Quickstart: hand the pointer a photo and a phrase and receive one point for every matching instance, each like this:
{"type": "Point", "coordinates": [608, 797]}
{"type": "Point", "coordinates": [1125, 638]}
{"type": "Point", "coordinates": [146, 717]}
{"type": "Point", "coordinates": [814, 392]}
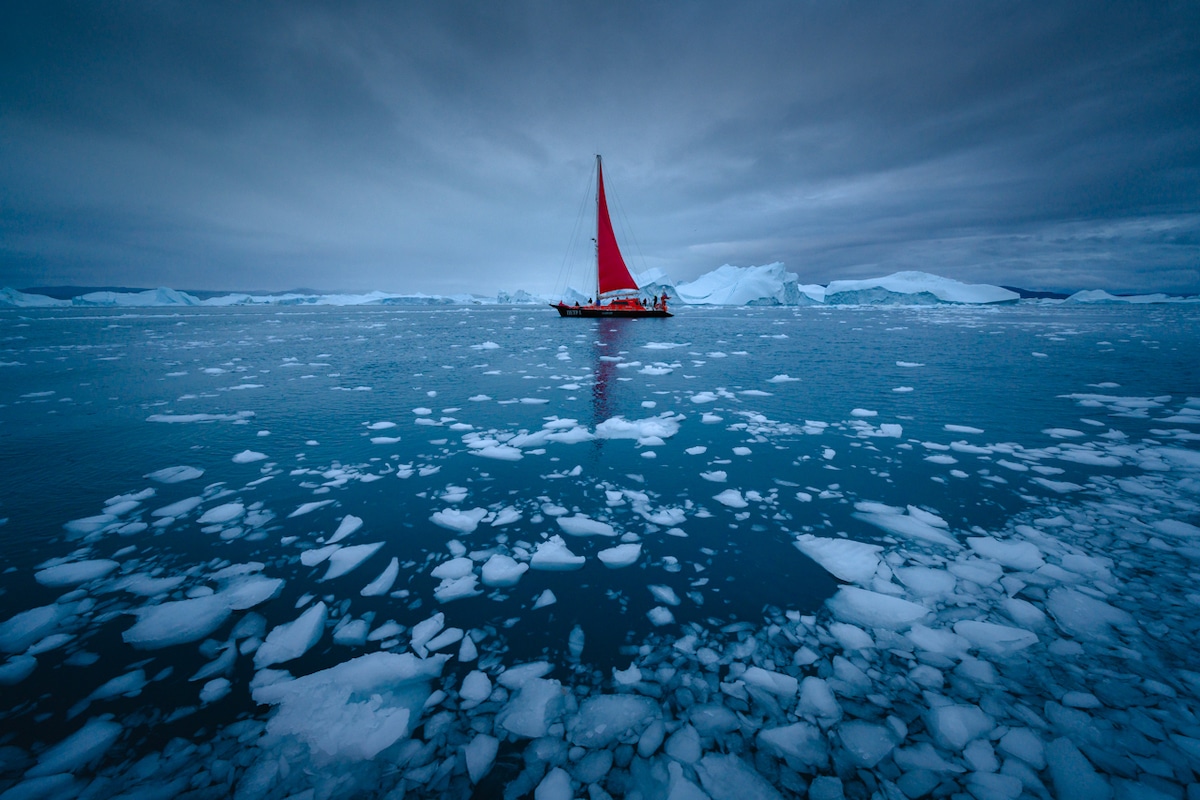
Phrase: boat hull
{"type": "Point", "coordinates": [608, 311]}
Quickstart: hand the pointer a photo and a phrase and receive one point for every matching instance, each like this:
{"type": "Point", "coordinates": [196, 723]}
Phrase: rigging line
{"type": "Point", "coordinates": [564, 275]}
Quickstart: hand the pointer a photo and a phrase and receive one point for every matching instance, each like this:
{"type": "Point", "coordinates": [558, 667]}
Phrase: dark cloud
{"type": "Point", "coordinates": [444, 147]}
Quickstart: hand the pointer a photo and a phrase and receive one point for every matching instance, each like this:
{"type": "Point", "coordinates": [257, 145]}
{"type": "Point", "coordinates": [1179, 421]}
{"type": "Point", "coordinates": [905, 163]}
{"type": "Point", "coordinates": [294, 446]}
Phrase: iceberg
{"type": "Point", "coordinates": [1101, 296]}
{"type": "Point", "coordinates": [768, 285]}
{"type": "Point", "coordinates": [914, 288]}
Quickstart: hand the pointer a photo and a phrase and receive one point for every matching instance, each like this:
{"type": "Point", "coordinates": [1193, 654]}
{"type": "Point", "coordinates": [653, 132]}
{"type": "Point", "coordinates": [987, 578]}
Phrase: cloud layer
{"type": "Point", "coordinates": [447, 148]}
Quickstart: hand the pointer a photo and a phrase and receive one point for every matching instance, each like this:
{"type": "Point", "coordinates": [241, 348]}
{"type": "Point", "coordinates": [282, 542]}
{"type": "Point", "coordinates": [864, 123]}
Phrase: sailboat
{"type": "Point", "coordinates": [617, 293]}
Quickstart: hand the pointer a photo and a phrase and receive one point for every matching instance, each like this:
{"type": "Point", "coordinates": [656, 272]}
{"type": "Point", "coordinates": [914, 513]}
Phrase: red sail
{"type": "Point", "coordinates": [614, 275]}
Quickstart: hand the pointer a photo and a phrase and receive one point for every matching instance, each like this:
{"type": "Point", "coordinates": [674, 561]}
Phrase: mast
{"type": "Point", "coordinates": [611, 273]}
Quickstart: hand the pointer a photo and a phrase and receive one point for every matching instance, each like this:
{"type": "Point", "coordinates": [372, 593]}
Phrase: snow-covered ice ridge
{"type": "Point", "coordinates": [1051, 653]}
{"type": "Point", "coordinates": [768, 285]}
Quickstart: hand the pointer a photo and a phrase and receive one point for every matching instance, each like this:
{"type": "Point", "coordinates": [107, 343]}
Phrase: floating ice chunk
{"type": "Point", "coordinates": [28, 626]}
{"type": "Point", "coordinates": [606, 719]}
{"type": "Point", "coordinates": [214, 690]}
{"type": "Point", "coordinates": [874, 610]}
{"type": "Point", "coordinates": [1177, 528]}
{"type": "Point", "coordinates": [318, 555]}
{"type": "Point", "coordinates": [177, 509]}
{"type": "Point", "coordinates": [445, 639]}
{"type": "Point", "coordinates": [349, 525]}
{"type": "Point", "coordinates": [800, 742]}
{"type": "Point", "coordinates": [727, 777]}
{"type": "Point", "coordinates": [1023, 556]}
{"type": "Point", "coordinates": [863, 412]}
{"type": "Point", "coordinates": [783, 378]}
{"type": "Point", "coordinates": [79, 749]}
{"type": "Point", "coordinates": [488, 345]}
{"type": "Point", "coordinates": [219, 515]}
{"type": "Point", "coordinates": [455, 520]}
{"type": "Point", "coordinates": [660, 615]}
{"type": "Point", "coordinates": [623, 555]}
{"type": "Point", "coordinates": [926, 581]}
{"type": "Point", "coordinates": [457, 588]}
{"type": "Point", "coordinates": [454, 568]}
{"type": "Point", "coordinates": [732, 498]}
{"type": "Point", "coordinates": [506, 516]}
{"type": "Point", "coordinates": [248, 456]}
{"type": "Point", "coordinates": [996, 640]}
{"type": "Point", "coordinates": [424, 631]}
{"type": "Point", "coordinates": [175, 474]}
{"type": "Point", "coordinates": [354, 710]}
{"type": "Point", "coordinates": [75, 572]}
{"type": "Point", "coordinates": [663, 426]}
{"type": "Point", "coordinates": [502, 570]}
{"type": "Point", "coordinates": [893, 521]}
{"type": "Point", "coordinates": [817, 700]}
{"type": "Point", "coordinates": [553, 555]}
{"type": "Point", "coordinates": [347, 559]}
{"type": "Point", "coordinates": [627, 677]}
{"type": "Point", "coordinates": [716, 476]}
{"type": "Point", "coordinates": [17, 669]}
{"type": "Point", "coordinates": [292, 639]}
{"type": "Point", "coordinates": [961, 429]}
{"type": "Point", "coordinates": [480, 754]}
{"type": "Point", "coordinates": [664, 594]}
{"type": "Point", "coordinates": [1073, 777]}
{"type": "Point", "coordinates": [546, 598]}
{"type": "Point", "coordinates": [476, 687]}
{"type": "Point", "coordinates": [1086, 617]}
{"type": "Point", "coordinates": [851, 637]}
{"type": "Point", "coordinates": [774, 682]}
{"type": "Point", "coordinates": [531, 709]}
{"type": "Point", "coordinates": [499, 452]}
{"type": "Point", "coordinates": [697, 450]}
{"type": "Point", "coordinates": [866, 743]}
{"type": "Point", "coordinates": [954, 726]}
{"type": "Point", "coordinates": [177, 622]}
{"type": "Point", "coordinates": [383, 584]}
{"type": "Point", "coordinates": [581, 525]}
{"type": "Point", "coordinates": [306, 508]}
{"type": "Point", "coordinates": [518, 675]}
{"type": "Point", "coordinates": [845, 559]}
{"type": "Point", "coordinates": [248, 591]}
{"type": "Point", "coordinates": [1025, 745]}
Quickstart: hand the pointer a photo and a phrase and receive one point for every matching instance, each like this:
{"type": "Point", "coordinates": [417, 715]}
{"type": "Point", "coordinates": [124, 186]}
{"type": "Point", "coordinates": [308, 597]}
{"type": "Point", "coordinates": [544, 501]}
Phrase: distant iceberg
{"type": "Point", "coordinates": [914, 288]}
{"type": "Point", "coordinates": [1101, 296]}
{"type": "Point", "coordinates": [769, 285]}
{"type": "Point", "coordinates": [150, 297]}
{"type": "Point", "coordinates": [766, 285]}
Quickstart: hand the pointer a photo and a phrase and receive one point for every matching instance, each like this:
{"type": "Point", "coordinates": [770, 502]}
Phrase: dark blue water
{"type": "Point", "coordinates": [91, 402]}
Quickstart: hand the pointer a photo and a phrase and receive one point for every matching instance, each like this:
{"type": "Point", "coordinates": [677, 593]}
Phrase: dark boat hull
{"type": "Point", "coordinates": [608, 311]}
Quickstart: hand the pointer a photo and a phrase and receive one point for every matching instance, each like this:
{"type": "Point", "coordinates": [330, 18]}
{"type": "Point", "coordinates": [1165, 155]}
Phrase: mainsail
{"type": "Point", "coordinates": [613, 274]}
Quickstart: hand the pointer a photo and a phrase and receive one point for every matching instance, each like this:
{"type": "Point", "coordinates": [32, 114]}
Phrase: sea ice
{"type": "Point", "coordinates": [75, 572]}
{"type": "Point", "coordinates": [580, 525]}
{"type": "Point", "coordinates": [502, 570]}
{"type": "Point", "coordinates": [292, 639]}
{"type": "Point", "coordinates": [554, 556]}
{"type": "Point", "coordinates": [874, 610]}
{"type": "Point", "coordinates": [845, 559]}
{"type": "Point", "coordinates": [177, 622]}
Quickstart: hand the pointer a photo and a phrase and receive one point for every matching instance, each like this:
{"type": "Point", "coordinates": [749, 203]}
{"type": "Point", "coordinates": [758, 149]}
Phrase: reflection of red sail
{"type": "Point", "coordinates": [614, 275]}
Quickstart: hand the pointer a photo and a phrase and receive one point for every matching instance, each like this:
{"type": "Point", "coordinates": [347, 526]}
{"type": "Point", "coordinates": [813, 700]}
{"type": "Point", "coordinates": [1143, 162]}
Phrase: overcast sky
{"type": "Point", "coordinates": [447, 147]}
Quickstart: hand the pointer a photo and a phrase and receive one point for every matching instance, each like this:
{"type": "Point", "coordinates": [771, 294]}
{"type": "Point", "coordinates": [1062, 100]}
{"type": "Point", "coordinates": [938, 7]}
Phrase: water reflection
{"type": "Point", "coordinates": [607, 346]}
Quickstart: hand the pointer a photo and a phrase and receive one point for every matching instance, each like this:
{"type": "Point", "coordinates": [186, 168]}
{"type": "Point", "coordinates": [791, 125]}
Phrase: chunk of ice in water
{"type": "Point", "coordinates": [727, 777]}
{"type": "Point", "coordinates": [177, 622]}
{"type": "Point", "coordinates": [845, 559]}
{"type": "Point", "coordinates": [546, 598]}
{"type": "Point", "coordinates": [605, 719]}
{"type": "Point", "coordinates": [623, 555]}
{"type": "Point", "coordinates": [175, 474]}
{"type": "Point", "coordinates": [502, 570]}
{"type": "Point", "coordinates": [996, 640]}
{"type": "Point", "coordinates": [874, 610]}
{"type": "Point", "coordinates": [292, 639]}
{"type": "Point", "coordinates": [348, 559]}
{"type": "Point", "coordinates": [866, 743]}
{"type": "Point", "coordinates": [581, 525]}
{"type": "Point", "coordinates": [79, 749]}
{"type": "Point", "coordinates": [553, 555]}
{"type": "Point", "coordinates": [349, 525]}
{"type": "Point", "coordinates": [75, 572]}
{"type": "Point", "coordinates": [954, 726]}
{"type": "Point", "coordinates": [480, 754]}
{"type": "Point", "coordinates": [1023, 556]}
{"type": "Point", "coordinates": [461, 521]}
{"type": "Point", "coordinates": [660, 615]}
{"type": "Point", "coordinates": [248, 456]}
{"type": "Point", "coordinates": [383, 584]}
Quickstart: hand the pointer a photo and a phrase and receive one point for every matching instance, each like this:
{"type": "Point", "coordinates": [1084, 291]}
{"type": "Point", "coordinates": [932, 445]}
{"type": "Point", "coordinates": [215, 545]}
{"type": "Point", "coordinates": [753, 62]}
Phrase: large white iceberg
{"type": "Point", "coordinates": [914, 288]}
{"type": "Point", "coordinates": [769, 285]}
